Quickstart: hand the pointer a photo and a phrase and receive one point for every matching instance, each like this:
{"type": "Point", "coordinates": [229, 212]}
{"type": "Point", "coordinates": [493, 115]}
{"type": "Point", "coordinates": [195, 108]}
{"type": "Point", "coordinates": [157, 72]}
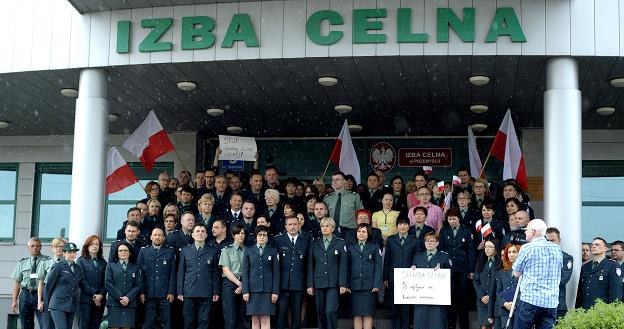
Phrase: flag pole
{"type": "Point", "coordinates": [181, 162]}
{"type": "Point", "coordinates": [325, 171]}
{"type": "Point", "coordinates": [484, 164]}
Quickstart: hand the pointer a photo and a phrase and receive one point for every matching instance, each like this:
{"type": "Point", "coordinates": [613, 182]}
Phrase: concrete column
{"type": "Point", "coordinates": [562, 152]}
{"type": "Point", "coordinates": [89, 161]}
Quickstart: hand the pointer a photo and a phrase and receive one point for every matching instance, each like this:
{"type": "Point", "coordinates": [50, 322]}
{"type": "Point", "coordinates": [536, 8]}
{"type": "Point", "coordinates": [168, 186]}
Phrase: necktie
{"type": "Point", "coordinates": [454, 232]}
{"type": "Point", "coordinates": [594, 263]}
{"type": "Point", "coordinates": [490, 264]}
{"type": "Point", "coordinates": [463, 213]}
{"type": "Point", "coordinates": [260, 250]}
{"type": "Point", "coordinates": [235, 216]}
{"type": "Point", "coordinates": [326, 243]}
{"type": "Point", "coordinates": [479, 201]}
{"type": "Point", "coordinates": [71, 267]}
{"type": "Point", "coordinates": [429, 255]}
{"type": "Point", "coordinates": [293, 241]}
{"type": "Point", "coordinates": [361, 247]}
{"type": "Point", "coordinates": [337, 210]}
{"type": "Point", "coordinates": [94, 262]}
{"type": "Point", "coordinates": [33, 270]}
{"type": "Point", "coordinates": [418, 232]}
{"type": "Point", "coordinates": [271, 211]}
{"type": "Point", "coordinates": [199, 249]}
{"type": "Point", "coordinates": [402, 240]}
{"type": "Point", "coordinates": [123, 264]}
{"type": "Point", "coordinates": [257, 196]}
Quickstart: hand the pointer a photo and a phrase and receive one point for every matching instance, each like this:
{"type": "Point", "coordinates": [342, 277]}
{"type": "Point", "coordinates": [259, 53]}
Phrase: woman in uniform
{"type": "Point", "coordinates": [260, 280]}
{"type": "Point", "coordinates": [485, 283]}
{"type": "Point", "coordinates": [123, 284]}
{"type": "Point", "coordinates": [431, 316]}
{"type": "Point", "coordinates": [505, 280]}
{"type": "Point", "coordinates": [365, 271]}
{"type": "Point", "coordinates": [231, 262]}
{"type": "Point", "coordinates": [91, 307]}
{"type": "Point", "coordinates": [385, 219]}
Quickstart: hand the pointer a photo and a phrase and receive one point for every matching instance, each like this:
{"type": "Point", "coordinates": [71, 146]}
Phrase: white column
{"type": "Point", "coordinates": [89, 160]}
{"type": "Point", "coordinates": [562, 152]}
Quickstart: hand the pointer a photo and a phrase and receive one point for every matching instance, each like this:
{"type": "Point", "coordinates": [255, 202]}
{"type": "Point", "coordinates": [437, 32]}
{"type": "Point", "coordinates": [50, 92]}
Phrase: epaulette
{"type": "Point", "coordinates": [145, 247]}
{"type": "Point", "coordinates": [230, 246]}
{"type": "Point", "coordinates": [339, 239]}
{"type": "Point", "coordinates": [25, 258]}
{"type": "Point", "coordinates": [444, 252]}
{"type": "Point", "coordinates": [45, 257]}
{"type": "Point", "coordinates": [354, 193]}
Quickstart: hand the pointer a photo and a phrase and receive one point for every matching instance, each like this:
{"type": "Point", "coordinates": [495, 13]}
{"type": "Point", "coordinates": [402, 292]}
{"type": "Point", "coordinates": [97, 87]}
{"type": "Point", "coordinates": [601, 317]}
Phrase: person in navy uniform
{"type": "Point", "coordinates": [248, 221]}
{"type": "Point", "coordinates": [553, 235]}
{"type": "Point", "coordinates": [431, 316]}
{"type": "Point", "coordinates": [456, 241]}
{"type": "Point", "coordinates": [220, 240]}
{"type": "Point", "coordinates": [198, 279]}
{"type": "Point", "coordinates": [399, 253]}
{"type": "Point", "coordinates": [184, 236]}
{"type": "Point", "coordinates": [261, 280]}
{"type": "Point", "coordinates": [365, 277]}
{"type": "Point", "coordinates": [25, 285]}
{"type": "Point", "coordinates": [488, 212]}
{"type": "Point", "coordinates": [484, 282]}
{"type": "Point", "coordinates": [504, 281]}
{"type": "Point", "coordinates": [91, 307]}
{"type": "Point", "coordinates": [62, 286]}
{"type": "Point", "coordinates": [157, 263]}
{"type": "Point", "coordinates": [42, 272]}
{"type": "Point", "coordinates": [132, 238]}
{"type": "Point", "coordinates": [293, 253]}
{"type": "Point", "coordinates": [363, 216]}
{"type": "Point", "coordinates": [231, 263]}
{"type": "Point", "coordinates": [419, 230]}
{"type": "Point", "coordinates": [327, 273]}
{"type": "Point", "coordinates": [601, 278]}
{"type": "Point", "coordinates": [617, 254]}
{"type": "Point", "coordinates": [467, 216]}
{"type": "Point", "coordinates": [124, 282]}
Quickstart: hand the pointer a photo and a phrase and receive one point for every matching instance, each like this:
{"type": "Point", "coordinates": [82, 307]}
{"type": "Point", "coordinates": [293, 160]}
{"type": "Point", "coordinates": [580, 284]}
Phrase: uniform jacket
{"type": "Point", "coordinates": [136, 247]}
{"type": "Point", "coordinates": [566, 274]}
{"type": "Point", "coordinates": [94, 277]}
{"type": "Point", "coordinates": [603, 281]}
{"type": "Point", "coordinates": [485, 285]}
{"type": "Point", "coordinates": [178, 240]}
{"type": "Point", "coordinates": [364, 267]}
{"type": "Point", "coordinates": [372, 201]}
{"type": "Point", "coordinates": [440, 258]}
{"type": "Point", "coordinates": [460, 248]}
{"type": "Point", "coordinates": [349, 203]}
{"type": "Point", "coordinates": [261, 274]}
{"type": "Point", "coordinates": [327, 268]}
{"type": "Point", "coordinates": [351, 237]}
{"type": "Point", "coordinates": [292, 261]}
{"type": "Point", "coordinates": [504, 279]}
{"type": "Point", "coordinates": [120, 283]}
{"type": "Point", "coordinates": [159, 271]}
{"type": "Point", "coordinates": [62, 287]}
{"type": "Point", "coordinates": [470, 218]}
{"type": "Point", "coordinates": [198, 274]}
{"type": "Point", "coordinates": [397, 255]}
{"type": "Point", "coordinates": [420, 246]}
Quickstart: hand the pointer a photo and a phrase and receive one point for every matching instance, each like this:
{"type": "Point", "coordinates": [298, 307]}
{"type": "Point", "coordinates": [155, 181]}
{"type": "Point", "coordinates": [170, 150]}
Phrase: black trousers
{"type": "Point", "coordinates": [327, 306]}
{"type": "Point", "coordinates": [197, 312]}
{"type": "Point", "coordinates": [292, 299]}
{"type": "Point", "coordinates": [157, 307]}
{"type": "Point", "coordinates": [459, 303]}
{"type": "Point", "coordinates": [90, 316]}
{"type": "Point", "coordinates": [28, 309]}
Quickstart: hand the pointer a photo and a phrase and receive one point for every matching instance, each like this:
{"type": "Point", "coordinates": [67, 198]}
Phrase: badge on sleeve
{"type": "Point", "coordinates": [618, 271]}
{"type": "Point", "coordinates": [208, 261]}
{"type": "Point", "coordinates": [336, 252]}
{"type": "Point", "coordinates": [345, 248]}
{"type": "Point", "coordinates": [370, 257]}
{"type": "Point", "coordinates": [300, 256]}
{"type": "Point", "coordinates": [569, 265]}
{"type": "Point", "coordinates": [450, 262]}
{"type": "Point", "coordinates": [600, 278]}
{"type": "Point", "coordinates": [463, 239]}
{"type": "Point", "coordinates": [269, 258]}
{"type": "Point", "coordinates": [133, 275]}
{"type": "Point", "coordinates": [164, 262]}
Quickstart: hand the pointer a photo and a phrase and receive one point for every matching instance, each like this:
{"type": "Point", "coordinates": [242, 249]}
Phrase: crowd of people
{"type": "Point", "coordinates": [232, 250]}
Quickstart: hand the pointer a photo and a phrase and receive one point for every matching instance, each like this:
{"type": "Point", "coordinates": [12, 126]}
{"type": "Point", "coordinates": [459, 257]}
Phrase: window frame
{"type": "Point", "coordinates": [11, 167]}
{"type": "Point", "coordinates": [602, 168]}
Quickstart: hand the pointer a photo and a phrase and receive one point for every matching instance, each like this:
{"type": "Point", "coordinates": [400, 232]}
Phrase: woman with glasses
{"type": "Point", "coordinates": [91, 307]}
{"type": "Point", "coordinates": [124, 282]}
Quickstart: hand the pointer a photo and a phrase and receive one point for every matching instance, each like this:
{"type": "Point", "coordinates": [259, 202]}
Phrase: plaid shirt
{"type": "Point", "coordinates": [540, 263]}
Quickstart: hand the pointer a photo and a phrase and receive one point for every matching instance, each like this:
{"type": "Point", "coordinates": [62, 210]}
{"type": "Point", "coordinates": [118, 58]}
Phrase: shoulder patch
{"type": "Point", "coordinates": [44, 257]}
{"type": "Point", "coordinates": [450, 262]}
{"type": "Point", "coordinates": [569, 265]}
{"type": "Point", "coordinates": [618, 271]}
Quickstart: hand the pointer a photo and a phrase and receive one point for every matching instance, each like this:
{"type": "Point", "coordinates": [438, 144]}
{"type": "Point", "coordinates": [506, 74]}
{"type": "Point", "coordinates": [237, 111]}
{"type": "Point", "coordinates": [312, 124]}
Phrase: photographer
{"type": "Point", "coordinates": [517, 225]}
{"type": "Point", "coordinates": [539, 263]}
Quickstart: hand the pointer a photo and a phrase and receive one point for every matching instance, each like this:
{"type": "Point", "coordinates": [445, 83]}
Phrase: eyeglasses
{"type": "Point", "coordinates": [431, 241]}
{"type": "Point", "coordinates": [123, 250]}
{"type": "Point", "coordinates": [262, 235]}
{"type": "Point", "coordinates": [424, 194]}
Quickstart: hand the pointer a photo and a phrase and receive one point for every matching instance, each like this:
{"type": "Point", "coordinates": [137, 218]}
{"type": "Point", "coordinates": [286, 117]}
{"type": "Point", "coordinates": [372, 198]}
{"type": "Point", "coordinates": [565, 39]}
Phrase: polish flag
{"type": "Point", "coordinates": [440, 185]}
{"type": "Point", "coordinates": [448, 199]}
{"type": "Point", "coordinates": [507, 149]}
{"type": "Point", "coordinates": [478, 225]}
{"type": "Point", "coordinates": [149, 141]}
{"type": "Point", "coordinates": [428, 170]}
{"type": "Point", "coordinates": [343, 154]}
{"type": "Point", "coordinates": [473, 155]}
{"type": "Point", "coordinates": [456, 180]}
{"type": "Point", "coordinates": [118, 173]}
{"type": "Point", "coordinates": [486, 230]}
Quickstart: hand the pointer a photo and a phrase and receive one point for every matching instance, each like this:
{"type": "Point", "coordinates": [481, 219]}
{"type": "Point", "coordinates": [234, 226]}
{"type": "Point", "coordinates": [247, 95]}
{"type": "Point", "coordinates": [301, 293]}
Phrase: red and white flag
{"type": "Point", "coordinates": [149, 141]}
{"type": "Point", "coordinates": [486, 230]}
{"type": "Point", "coordinates": [478, 225]}
{"type": "Point", "coordinates": [448, 199]}
{"type": "Point", "coordinates": [428, 170]}
{"type": "Point", "coordinates": [456, 180]}
{"type": "Point", "coordinates": [343, 154]}
{"type": "Point", "coordinates": [118, 173]}
{"type": "Point", "coordinates": [473, 155]}
{"type": "Point", "coordinates": [506, 148]}
{"type": "Point", "coordinates": [440, 186]}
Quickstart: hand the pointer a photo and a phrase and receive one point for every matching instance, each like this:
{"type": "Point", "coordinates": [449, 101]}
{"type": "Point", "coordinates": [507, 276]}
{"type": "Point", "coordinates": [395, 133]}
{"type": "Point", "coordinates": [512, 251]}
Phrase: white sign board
{"type": "Point", "coordinates": [237, 148]}
{"type": "Point", "coordinates": [422, 286]}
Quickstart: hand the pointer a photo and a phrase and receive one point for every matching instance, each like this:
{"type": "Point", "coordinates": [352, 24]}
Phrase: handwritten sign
{"type": "Point", "coordinates": [422, 286]}
{"type": "Point", "coordinates": [237, 148]}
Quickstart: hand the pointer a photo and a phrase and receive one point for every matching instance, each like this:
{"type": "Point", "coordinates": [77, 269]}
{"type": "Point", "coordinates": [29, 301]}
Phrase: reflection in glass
{"type": "Point", "coordinates": [7, 181]}
{"type": "Point", "coordinates": [7, 211]}
{"type": "Point", "coordinates": [55, 186]}
{"type": "Point", "coordinates": [54, 220]}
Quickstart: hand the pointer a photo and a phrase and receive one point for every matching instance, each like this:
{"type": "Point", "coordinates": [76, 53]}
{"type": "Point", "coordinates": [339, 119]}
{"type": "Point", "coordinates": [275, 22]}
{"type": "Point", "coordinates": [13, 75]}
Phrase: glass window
{"type": "Point", "coordinates": [603, 203]}
{"type": "Point", "coordinates": [8, 196]}
{"type": "Point", "coordinates": [53, 194]}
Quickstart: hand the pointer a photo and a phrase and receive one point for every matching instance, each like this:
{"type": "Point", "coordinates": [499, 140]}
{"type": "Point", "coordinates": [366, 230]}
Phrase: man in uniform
{"type": "Point", "coordinates": [221, 194]}
{"type": "Point", "coordinates": [182, 237]}
{"type": "Point", "coordinates": [553, 235]}
{"type": "Point", "coordinates": [585, 253]}
{"type": "Point", "coordinates": [132, 234]}
{"type": "Point", "coordinates": [255, 193]}
{"type": "Point", "coordinates": [42, 272]}
{"type": "Point", "coordinates": [157, 263]}
{"type": "Point", "coordinates": [601, 278]}
{"type": "Point", "coordinates": [220, 240]}
{"type": "Point", "coordinates": [371, 199]}
{"type": "Point", "coordinates": [292, 251]}
{"type": "Point", "coordinates": [618, 256]}
{"type": "Point", "coordinates": [134, 214]}
{"type": "Point", "coordinates": [25, 286]}
{"type": "Point", "coordinates": [342, 204]}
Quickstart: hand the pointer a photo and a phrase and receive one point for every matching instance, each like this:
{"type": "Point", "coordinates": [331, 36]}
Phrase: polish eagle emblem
{"type": "Point", "coordinates": [383, 157]}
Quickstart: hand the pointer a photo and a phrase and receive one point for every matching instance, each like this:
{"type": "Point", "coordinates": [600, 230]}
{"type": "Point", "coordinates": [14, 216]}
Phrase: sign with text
{"type": "Point", "coordinates": [422, 286]}
{"type": "Point", "coordinates": [237, 148]}
{"type": "Point", "coordinates": [418, 157]}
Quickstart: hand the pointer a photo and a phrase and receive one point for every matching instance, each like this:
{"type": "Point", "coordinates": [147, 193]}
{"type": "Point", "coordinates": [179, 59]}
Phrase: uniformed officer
{"type": "Point", "coordinates": [132, 238]}
{"type": "Point", "coordinates": [431, 316]}
{"type": "Point", "coordinates": [42, 272]}
{"type": "Point", "coordinates": [365, 277]}
{"type": "Point", "coordinates": [420, 229]}
{"type": "Point", "coordinates": [198, 279]}
{"type": "Point", "coordinates": [327, 273]}
{"type": "Point", "coordinates": [293, 253]}
{"type": "Point", "coordinates": [184, 236]}
{"type": "Point", "coordinates": [261, 279]}
{"type": "Point", "coordinates": [485, 282]}
{"type": "Point", "coordinates": [157, 263]}
{"type": "Point", "coordinates": [124, 282]}
{"type": "Point", "coordinates": [62, 286]}
{"type": "Point", "coordinates": [25, 286]}
{"type": "Point", "coordinates": [505, 283]}
{"type": "Point", "coordinates": [342, 204]}
{"type": "Point", "coordinates": [220, 240]}
{"type": "Point", "coordinates": [363, 216]}
{"type": "Point", "coordinates": [553, 235]}
{"type": "Point", "coordinates": [399, 253]}
{"type": "Point", "coordinates": [91, 308]}
{"type": "Point", "coordinates": [231, 262]}
{"type": "Point", "coordinates": [617, 254]}
{"type": "Point", "coordinates": [456, 240]}
{"type": "Point", "coordinates": [600, 278]}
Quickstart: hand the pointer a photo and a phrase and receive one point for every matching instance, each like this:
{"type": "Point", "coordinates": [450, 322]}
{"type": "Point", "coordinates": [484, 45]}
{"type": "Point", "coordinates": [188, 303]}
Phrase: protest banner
{"type": "Point", "coordinates": [422, 286]}
{"type": "Point", "coordinates": [237, 148]}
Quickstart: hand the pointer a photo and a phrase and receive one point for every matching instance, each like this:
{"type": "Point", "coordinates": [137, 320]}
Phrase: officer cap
{"type": "Point", "coordinates": [70, 246]}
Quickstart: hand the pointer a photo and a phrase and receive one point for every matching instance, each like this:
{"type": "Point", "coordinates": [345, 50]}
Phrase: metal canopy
{"type": "Point", "coordinates": [90, 6]}
{"type": "Point", "coordinates": [390, 96]}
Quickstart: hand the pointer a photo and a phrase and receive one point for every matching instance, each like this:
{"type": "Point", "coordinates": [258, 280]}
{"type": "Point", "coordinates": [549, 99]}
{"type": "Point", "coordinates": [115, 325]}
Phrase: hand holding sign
{"type": "Point", "coordinates": [237, 148]}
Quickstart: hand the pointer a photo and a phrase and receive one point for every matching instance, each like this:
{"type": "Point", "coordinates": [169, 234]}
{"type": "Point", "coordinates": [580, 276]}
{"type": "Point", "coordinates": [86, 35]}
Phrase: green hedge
{"type": "Point", "coordinates": [600, 316]}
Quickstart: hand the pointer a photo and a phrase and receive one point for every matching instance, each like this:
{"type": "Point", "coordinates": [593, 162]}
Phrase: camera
{"type": "Point", "coordinates": [518, 237]}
